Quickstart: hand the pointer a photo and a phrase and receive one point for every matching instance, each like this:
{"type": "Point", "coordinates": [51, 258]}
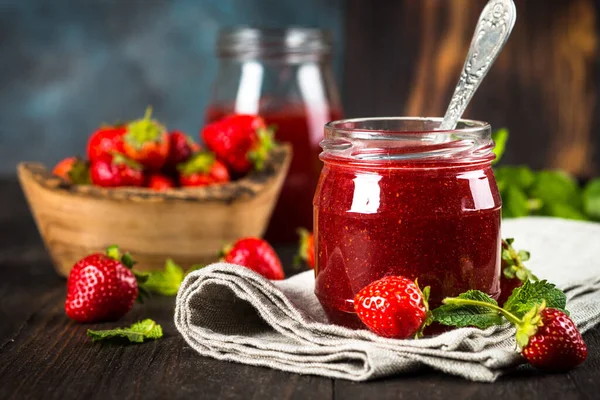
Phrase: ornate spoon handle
{"type": "Point", "coordinates": [493, 28]}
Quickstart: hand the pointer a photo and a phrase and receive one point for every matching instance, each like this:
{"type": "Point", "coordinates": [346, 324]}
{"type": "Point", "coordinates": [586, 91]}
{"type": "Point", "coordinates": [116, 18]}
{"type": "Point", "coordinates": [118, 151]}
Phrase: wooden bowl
{"type": "Point", "coordinates": [189, 225]}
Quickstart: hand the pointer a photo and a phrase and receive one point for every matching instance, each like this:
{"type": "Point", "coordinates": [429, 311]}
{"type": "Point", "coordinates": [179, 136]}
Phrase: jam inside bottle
{"type": "Point", "coordinates": [398, 198]}
{"type": "Point", "coordinates": [286, 77]}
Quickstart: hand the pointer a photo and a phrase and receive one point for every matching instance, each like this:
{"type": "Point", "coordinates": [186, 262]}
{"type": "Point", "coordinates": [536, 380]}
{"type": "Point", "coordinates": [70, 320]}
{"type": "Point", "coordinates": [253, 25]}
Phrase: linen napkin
{"type": "Point", "coordinates": [230, 313]}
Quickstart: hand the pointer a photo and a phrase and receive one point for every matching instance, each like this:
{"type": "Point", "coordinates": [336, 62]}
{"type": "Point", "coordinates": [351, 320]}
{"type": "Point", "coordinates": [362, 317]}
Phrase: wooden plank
{"type": "Point", "coordinates": [52, 357]}
{"type": "Point", "coordinates": [523, 383]}
{"type": "Point", "coordinates": [404, 58]}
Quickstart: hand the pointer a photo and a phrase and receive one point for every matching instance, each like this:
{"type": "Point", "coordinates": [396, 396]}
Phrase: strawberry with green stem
{"type": "Point", "coordinates": [241, 142]}
{"type": "Point", "coordinates": [201, 170]}
{"type": "Point", "coordinates": [181, 148]}
{"type": "Point", "coordinates": [116, 171]}
{"type": "Point", "coordinates": [394, 307]}
{"type": "Point", "coordinates": [547, 337]}
{"type": "Point", "coordinates": [105, 141]}
{"type": "Point", "coordinates": [73, 170]}
{"type": "Point", "coordinates": [514, 272]}
{"type": "Point", "coordinates": [103, 287]}
{"type": "Point", "coordinates": [146, 141]}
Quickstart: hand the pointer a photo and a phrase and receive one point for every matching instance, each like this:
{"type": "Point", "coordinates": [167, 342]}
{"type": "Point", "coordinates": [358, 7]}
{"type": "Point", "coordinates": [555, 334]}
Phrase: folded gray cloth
{"type": "Point", "coordinates": [231, 313]}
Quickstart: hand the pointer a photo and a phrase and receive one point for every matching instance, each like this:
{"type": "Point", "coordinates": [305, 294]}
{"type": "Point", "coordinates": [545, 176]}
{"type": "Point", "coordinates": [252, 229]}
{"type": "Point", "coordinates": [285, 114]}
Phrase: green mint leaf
{"type": "Point", "coordinates": [166, 282]}
{"type": "Point", "coordinates": [469, 315]}
{"type": "Point", "coordinates": [521, 177]}
{"type": "Point", "coordinates": [136, 333]}
{"type": "Point", "coordinates": [524, 298]}
{"type": "Point", "coordinates": [500, 138]}
{"type": "Point", "coordinates": [514, 203]}
{"type": "Point", "coordinates": [591, 199]}
{"type": "Point", "coordinates": [556, 187]}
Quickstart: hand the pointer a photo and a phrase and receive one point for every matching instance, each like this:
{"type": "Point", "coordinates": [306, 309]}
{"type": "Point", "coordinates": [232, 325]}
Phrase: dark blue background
{"type": "Point", "coordinates": [68, 65]}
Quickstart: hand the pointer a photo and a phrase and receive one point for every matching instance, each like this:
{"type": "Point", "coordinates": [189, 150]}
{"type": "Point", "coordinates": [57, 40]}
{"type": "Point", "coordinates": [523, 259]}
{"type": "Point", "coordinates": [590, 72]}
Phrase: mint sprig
{"type": "Point", "coordinates": [461, 315]}
{"type": "Point", "coordinates": [530, 294]}
{"type": "Point", "coordinates": [136, 333]}
{"type": "Point", "coordinates": [475, 308]}
{"type": "Point", "coordinates": [166, 282]}
{"type": "Point", "coordinates": [550, 193]}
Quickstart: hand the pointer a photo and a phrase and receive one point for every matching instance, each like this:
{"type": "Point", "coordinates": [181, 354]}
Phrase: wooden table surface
{"type": "Point", "coordinates": [44, 355]}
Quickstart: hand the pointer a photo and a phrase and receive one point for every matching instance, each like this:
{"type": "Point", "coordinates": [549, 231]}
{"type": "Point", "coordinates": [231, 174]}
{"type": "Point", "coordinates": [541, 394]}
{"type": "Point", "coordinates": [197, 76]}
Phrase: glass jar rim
{"type": "Point", "coordinates": [401, 139]}
{"type": "Point", "coordinates": [248, 41]}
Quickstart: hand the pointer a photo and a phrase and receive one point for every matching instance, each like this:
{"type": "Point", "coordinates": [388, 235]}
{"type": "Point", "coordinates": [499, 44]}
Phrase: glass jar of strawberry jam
{"type": "Point", "coordinates": [398, 197]}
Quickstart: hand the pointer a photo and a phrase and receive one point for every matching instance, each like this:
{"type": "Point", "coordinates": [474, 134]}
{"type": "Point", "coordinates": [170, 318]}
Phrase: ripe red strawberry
{"type": "Point", "coordinates": [548, 338]}
{"type": "Point", "coordinates": [556, 344]}
{"type": "Point", "coordinates": [514, 272]}
{"type": "Point", "coordinates": [393, 307]}
{"type": "Point", "coordinates": [160, 182]}
{"type": "Point", "coordinates": [115, 171]}
{"type": "Point", "coordinates": [105, 141]}
{"type": "Point", "coordinates": [242, 142]}
{"type": "Point", "coordinates": [101, 287]}
{"type": "Point", "coordinates": [306, 251]}
{"type": "Point", "coordinates": [257, 255]}
{"type": "Point", "coordinates": [181, 148]}
{"type": "Point", "coordinates": [73, 170]}
{"type": "Point", "coordinates": [147, 142]}
{"type": "Point", "coordinates": [202, 170]}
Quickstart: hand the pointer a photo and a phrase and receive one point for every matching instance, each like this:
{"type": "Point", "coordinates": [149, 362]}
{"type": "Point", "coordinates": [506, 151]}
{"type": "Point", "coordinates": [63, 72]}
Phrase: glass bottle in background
{"type": "Point", "coordinates": [285, 76]}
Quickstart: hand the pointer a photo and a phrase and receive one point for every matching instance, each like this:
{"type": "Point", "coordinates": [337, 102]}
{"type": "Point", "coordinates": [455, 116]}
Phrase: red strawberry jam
{"type": "Point", "coordinates": [396, 198]}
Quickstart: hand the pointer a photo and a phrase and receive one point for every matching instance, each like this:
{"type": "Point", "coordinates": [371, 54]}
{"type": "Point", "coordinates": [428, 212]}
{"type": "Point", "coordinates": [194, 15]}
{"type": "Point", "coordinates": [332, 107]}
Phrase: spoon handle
{"type": "Point", "coordinates": [493, 28]}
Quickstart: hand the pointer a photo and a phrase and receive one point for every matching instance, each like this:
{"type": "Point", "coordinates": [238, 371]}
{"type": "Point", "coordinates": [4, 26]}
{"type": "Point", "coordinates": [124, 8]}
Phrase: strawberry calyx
{"type": "Point", "coordinates": [79, 173]}
{"type": "Point", "coordinates": [144, 130]}
{"type": "Point", "coordinates": [428, 314]}
{"type": "Point", "coordinates": [529, 325]}
{"type": "Point", "coordinates": [200, 162]}
{"type": "Point", "coordinates": [260, 153]}
{"type": "Point", "coordinates": [224, 251]}
{"type": "Point", "coordinates": [128, 262]}
{"type": "Point", "coordinates": [512, 262]}
{"type": "Point", "coordinates": [121, 159]}
{"type": "Point", "coordinates": [526, 326]}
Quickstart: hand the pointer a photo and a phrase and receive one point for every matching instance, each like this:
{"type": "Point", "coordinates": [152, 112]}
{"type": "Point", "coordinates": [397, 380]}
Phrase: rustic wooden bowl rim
{"type": "Point", "coordinates": [242, 189]}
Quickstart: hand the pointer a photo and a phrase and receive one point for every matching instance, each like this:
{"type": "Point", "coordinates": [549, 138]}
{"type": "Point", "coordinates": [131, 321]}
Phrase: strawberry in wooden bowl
{"type": "Point", "coordinates": [182, 204]}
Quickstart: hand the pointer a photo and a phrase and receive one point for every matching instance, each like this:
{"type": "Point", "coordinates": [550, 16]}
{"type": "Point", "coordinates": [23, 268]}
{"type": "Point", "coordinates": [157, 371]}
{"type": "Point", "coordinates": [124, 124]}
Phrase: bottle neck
{"type": "Point", "coordinates": [293, 45]}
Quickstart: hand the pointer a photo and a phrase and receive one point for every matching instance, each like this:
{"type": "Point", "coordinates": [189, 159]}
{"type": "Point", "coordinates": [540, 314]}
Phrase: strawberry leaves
{"type": "Point", "coordinates": [136, 333]}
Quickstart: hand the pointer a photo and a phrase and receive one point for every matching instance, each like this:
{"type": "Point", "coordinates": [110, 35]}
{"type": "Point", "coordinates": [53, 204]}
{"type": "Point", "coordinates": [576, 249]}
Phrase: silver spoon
{"type": "Point", "coordinates": [493, 29]}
